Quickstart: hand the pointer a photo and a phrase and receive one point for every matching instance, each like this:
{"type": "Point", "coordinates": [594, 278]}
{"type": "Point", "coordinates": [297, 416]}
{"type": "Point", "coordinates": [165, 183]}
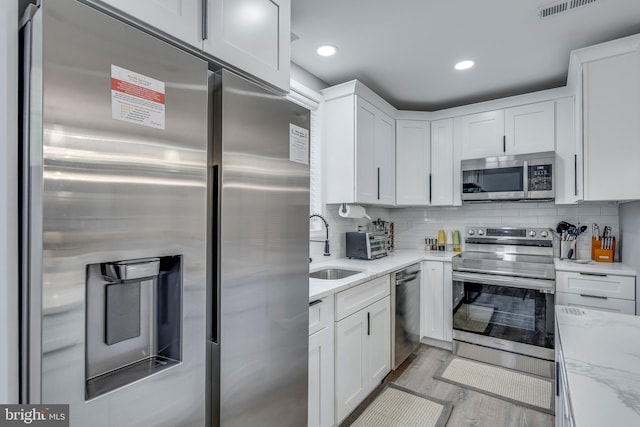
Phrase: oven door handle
{"type": "Point", "coordinates": [544, 286]}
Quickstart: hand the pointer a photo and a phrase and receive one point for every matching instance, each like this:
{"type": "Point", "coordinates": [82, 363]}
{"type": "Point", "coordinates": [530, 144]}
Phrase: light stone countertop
{"type": "Point", "coordinates": [602, 359]}
{"type": "Point", "coordinates": [370, 269]}
{"type": "Point", "coordinates": [595, 267]}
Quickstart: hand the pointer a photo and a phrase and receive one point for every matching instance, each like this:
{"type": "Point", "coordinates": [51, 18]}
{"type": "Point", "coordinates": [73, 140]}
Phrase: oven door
{"type": "Point", "coordinates": [514, 314]}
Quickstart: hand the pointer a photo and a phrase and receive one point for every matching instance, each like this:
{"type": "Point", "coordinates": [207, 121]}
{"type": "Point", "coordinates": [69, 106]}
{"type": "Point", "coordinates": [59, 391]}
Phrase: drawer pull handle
{"type": "Point", "coordinates": [316, 302]}
{"type": "Point", "coordinates": [593, 274]}
{"type": "Point", "coordinates": [593, 296]}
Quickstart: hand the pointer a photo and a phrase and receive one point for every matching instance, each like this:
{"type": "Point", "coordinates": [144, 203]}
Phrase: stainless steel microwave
{"type": "Point", "coordinates": [518, 177]}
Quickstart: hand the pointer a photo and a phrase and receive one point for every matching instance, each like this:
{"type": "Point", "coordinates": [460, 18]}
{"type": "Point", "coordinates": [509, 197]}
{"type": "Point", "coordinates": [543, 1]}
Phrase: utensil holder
{"type": "Point", "coordinates": [602, 255]}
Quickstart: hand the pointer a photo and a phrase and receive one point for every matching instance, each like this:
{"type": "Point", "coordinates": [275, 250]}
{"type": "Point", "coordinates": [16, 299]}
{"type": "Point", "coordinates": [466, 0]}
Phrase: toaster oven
{"type": "Point", "coordinates": [366, 244]}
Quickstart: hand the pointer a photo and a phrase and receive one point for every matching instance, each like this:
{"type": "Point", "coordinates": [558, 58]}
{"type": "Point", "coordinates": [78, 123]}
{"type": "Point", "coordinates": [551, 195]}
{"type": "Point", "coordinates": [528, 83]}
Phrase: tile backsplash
{"type": "Point", "coordinates": [413, 225]}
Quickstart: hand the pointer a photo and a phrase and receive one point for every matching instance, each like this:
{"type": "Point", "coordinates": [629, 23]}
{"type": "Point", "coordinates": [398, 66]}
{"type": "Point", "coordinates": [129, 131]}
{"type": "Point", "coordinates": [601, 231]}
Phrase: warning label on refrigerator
{"type": "Point", "coordinates": [136, 98]}
{"type": "Point", "coordinates": [298, 144]}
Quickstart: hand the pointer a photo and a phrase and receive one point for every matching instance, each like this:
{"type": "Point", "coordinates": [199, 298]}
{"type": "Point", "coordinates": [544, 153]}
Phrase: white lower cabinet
{"type": "Point", "coordinates": [363, 352]}
{"type": "Point", "coordinates": [436, 308]}
{"type": "Point", "coordinates": [321, 363]}
{"type": "Point", "coordinates": [606, 292]}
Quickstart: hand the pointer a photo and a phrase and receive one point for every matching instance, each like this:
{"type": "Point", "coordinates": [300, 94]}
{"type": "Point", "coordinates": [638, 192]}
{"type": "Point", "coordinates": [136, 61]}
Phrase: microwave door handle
{"type": "Point", "coordinates": [525, 176]}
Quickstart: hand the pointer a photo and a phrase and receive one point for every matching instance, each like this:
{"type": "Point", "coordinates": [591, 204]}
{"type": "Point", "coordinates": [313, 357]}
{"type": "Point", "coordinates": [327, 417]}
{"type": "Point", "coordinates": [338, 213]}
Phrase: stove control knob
{"type": "Point", "coordinates": [532, 233]}
{"type": "Point", "coordinates": [481, 232]}
{"type": "Point", "coordinates": [544, 233]}
{"type": "Point", "coordinates": [471, 232]}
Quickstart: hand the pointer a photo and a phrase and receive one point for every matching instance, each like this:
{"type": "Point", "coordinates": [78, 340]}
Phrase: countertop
{"type": "Point", "coordinates": [369, 269]}
{"type": "Point", "coordinates": [595, 267]}
{"type": "Point", "coordinates": [602, 358]}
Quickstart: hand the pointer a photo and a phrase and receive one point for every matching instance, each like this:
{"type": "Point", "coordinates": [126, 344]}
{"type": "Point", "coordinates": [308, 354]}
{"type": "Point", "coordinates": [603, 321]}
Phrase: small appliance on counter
{"type": "Point", "coordinates": [366, 244]}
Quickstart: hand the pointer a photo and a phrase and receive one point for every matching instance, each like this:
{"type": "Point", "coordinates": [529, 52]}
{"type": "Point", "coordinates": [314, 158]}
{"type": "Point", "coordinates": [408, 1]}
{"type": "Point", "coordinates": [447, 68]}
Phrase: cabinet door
{"type": "Point", "coordinates": [352, 378]}
{"type": "Point", "coordinates": [253, 36]}
{"type": "Point", "coordinates": [366, 167]}
{"type": "Point", "coordinates": [385, 159]}
{"type": "Point", "coordinates": [568, 167]}
{"type": "Point", "coordinates": [433, 300]}
{"type": "Point", "coordinates": [379, 341]}
{"type": "Point", "coordinates": [412, 162]}
{"type": "Point", "coordinates": [611, 129]}
{"type": "Point", "coordinates": [321, 378]}
{"type": "Point", "coordinates": [530, 128]}
{"type": "Point", "coordinates": [442, 165]}
{"type": "Point", "coordinates": [481, 135]}
{"type": "Point", "coordinates": [178, 18]}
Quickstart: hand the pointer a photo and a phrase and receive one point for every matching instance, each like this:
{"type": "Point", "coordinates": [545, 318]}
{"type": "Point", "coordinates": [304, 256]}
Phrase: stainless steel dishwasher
{"type": "Point", "coordinates": [405, 313]}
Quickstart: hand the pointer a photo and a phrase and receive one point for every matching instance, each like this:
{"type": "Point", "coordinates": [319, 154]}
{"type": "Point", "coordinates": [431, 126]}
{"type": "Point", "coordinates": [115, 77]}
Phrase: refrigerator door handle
{"type": "Point", "coordinates": [215, 255]}
{"type": "Point", "coordinates": [31, 190]}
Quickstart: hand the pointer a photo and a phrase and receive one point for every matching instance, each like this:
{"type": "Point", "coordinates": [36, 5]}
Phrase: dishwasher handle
{"type": "Point", "coordinates": [406, 278]}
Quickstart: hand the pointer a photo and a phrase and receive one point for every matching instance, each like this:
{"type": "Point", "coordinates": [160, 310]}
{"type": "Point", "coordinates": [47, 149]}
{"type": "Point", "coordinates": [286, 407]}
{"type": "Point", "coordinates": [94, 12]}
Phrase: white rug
{"type": "Point", "coordinates": [519, 388]}
{"type": "Point", "coordinates": [399, 407]}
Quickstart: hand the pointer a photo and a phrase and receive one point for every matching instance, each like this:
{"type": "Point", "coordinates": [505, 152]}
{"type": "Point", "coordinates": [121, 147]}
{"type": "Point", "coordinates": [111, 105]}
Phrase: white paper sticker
{"type": "Point", "coordinates": [298, 144]}
{"type": "Point", "coordinates": [136, 98]}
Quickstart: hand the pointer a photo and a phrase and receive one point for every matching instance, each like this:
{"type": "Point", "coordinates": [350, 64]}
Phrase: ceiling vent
{"type": "Point", "coordinates": [561, 7]}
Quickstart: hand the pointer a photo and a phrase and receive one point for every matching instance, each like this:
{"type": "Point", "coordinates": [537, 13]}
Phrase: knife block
{"type": "Point", "coordinates": [602, 255]}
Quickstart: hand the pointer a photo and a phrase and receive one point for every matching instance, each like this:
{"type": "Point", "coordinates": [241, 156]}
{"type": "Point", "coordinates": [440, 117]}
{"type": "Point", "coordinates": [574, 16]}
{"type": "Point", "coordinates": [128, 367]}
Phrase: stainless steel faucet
{"type": "Point", "coordinates": [326, 241]}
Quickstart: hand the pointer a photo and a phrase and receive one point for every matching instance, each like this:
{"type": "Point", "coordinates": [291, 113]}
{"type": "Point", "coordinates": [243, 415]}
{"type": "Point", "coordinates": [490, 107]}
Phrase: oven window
{"type": "Point", "coordinates": [513, 314]}
{"type": "Point", "coordinates": [493, 180]}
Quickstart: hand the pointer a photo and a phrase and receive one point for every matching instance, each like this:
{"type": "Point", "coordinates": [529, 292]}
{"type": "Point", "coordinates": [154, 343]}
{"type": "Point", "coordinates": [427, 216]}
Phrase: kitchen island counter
{"type": "Point", "coordinates": [601, 351]}
{"type": "Point", "coordinates": [369, 269]}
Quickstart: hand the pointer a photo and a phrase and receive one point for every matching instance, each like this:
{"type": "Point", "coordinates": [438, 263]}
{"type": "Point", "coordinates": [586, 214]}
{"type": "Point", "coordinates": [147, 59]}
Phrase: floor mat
{"type": "Point", "coordinates": [513, 386]}
{"type": "Point", "coordinates": [396, 406]}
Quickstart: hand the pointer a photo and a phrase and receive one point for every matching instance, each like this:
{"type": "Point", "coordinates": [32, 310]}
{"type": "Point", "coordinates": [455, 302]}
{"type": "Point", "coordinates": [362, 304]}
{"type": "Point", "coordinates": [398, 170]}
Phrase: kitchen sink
{"type": "Point", "coordinates": [332, 273]}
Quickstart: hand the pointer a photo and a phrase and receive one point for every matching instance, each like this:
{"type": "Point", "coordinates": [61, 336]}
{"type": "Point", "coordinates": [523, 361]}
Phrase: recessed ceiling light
{"type": "Point", "coordinates": [327, 50]}
{"type": "Point", "coordinates": [464, 65]}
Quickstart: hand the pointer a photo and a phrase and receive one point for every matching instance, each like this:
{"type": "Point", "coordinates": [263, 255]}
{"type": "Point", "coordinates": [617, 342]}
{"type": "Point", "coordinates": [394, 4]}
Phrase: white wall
{"type": "Point", "coordinates": [413, 225]}
{"type": "Point", "coordinates": [630, 240]}
{"type": "Point", "coordinates": [8, 201]}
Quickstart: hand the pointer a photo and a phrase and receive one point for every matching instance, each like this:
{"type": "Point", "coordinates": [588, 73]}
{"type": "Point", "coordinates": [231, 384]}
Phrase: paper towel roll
{"type": "Point", "coordinates": [352, 211]}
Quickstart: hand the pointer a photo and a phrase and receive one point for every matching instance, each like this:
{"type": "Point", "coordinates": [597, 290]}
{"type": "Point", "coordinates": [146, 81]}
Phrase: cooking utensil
{"type": "Point", "coordinates": [595, 229]}
{"type": "Point", "coordinates": [563, 226]}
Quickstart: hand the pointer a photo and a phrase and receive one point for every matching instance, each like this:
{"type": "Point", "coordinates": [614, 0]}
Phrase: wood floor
{"type": "Point", "coordinates": [470, 408]}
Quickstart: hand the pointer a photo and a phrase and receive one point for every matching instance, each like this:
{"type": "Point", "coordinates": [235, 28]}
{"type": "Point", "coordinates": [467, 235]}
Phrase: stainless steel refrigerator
{"type": "Point", "coordinates": [259, 294]}
{"type": "Point", "coordinates": [114, 199]}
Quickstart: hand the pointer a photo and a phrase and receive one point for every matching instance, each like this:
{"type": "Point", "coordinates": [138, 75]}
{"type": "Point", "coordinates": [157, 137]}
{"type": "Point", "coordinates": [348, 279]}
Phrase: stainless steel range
{"type": "Point", "coordinates": [503, 298]}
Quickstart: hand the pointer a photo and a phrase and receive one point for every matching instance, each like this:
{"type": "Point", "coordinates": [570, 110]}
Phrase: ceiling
{"type": "Point", "coordinates": [405, 50]}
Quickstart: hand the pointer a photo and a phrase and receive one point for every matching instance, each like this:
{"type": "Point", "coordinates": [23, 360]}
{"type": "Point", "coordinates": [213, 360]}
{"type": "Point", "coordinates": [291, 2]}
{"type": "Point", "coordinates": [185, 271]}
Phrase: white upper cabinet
{"type": "Point", "coordinates": [481, 135]}
{"type": "Point", "coordinates": [178, 18]}
{"type": "Point", "coordinates": [252, 35]}
{"type": "Point", "coordinates": [443, 168]}
{"type": "Point", "coordinates": [568, 167]}
{"type": "Point", "coordinates": [517, 130]}
{"type": "Point", "coordinates": [360, 139]}
{"type": "Point", "coordinates": [611, 120]}
{"type": "Point", "coordinates": [413, 162]}
{"type": "Point", "coordinates": [529, 128]}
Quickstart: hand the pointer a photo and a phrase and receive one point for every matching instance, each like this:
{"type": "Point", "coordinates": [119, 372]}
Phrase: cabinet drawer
{"type": "Point", "coordinates": [320, 314]}
{"type": "Point", "coordinates": [623, 287]}
{"type": "Point", "coordinates": [358, 297]}
{"type": "Point", "coordinates": [613, 305]}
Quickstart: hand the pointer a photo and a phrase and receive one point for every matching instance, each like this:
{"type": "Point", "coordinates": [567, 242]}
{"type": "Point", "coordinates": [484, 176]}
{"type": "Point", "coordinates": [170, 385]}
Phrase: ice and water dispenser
{"type": "Point", "coordinates": [133, 321]}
